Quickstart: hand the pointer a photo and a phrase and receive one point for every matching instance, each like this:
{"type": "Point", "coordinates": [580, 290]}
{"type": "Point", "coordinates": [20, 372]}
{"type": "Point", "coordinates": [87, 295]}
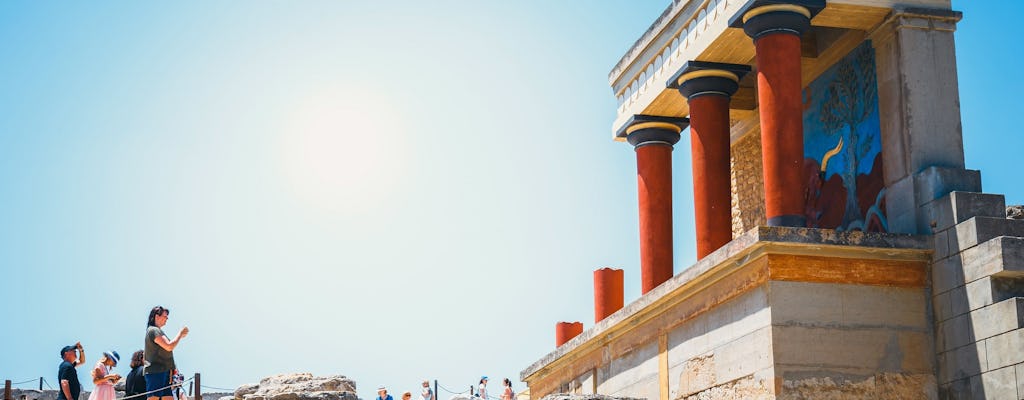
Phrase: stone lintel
{"type": "Point", "coordinates": [929, 13]}
{"type": "Point", "coordinates": [759, 255]}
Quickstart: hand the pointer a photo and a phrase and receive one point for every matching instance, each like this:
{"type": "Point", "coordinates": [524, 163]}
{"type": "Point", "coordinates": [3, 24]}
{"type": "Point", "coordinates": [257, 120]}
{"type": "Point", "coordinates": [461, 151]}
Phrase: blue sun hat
{"type": "Point", "coordinates": [113, 356]}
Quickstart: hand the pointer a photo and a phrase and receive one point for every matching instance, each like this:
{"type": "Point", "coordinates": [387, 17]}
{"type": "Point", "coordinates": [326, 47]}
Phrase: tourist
{"type": "Point", "coordinates": [382, 394]}
{"type": "Point", "coordinates": [67, 377]}
{"type": "Point", "coordinates": [159, 356]}
{"type": "Point", "coordinates": [178, 379]}
{"type": "Point", "coordinates": [407, 396]}
{"type": "Point", "coordinates": [481, 391]}
{"type": "Point", "coordinates": [508, 394]}
{"type": "Point", "coordinates": [426, 394]}
{"type": "Point", "coordinates": [103, 379]}
{"type": "Point", "coordinates": [135, 383]}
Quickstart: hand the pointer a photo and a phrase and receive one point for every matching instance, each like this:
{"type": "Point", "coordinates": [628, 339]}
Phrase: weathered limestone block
{"type": "Point", "coordinates": [882, 386]}
{"type": "Point", "coordinates": [567, 396]}
{"type": "Point", "coordinates": [943, 306]}
{"type": "Point", "coordinates": [746, 388]}
{"type": "Point", "coordinates": [954, 332]}
{"type": "Point", "coordinates": [957, 207]}
{"type": "Point", "coordinates": [1001, 256]}
{"type": "Point", "coordinates": [978, 230]}
{"type": "Point", "coordinates": [245, 389]}
{"type": "Point", "coordinates": [303, 386]}
{"type": "Point", "coordinates": [991, 290]}
{"type": "Point", "coordinates": [947, 274]}
{"type": "Point", "coordinates": [962, 362]}
{"type": "Point", "coordinates": [909, 199]}
{"type": "Point", "coordinates": [1005, 350]}
{"type": "Point", "coordinates": [698, 373]}
{"type": "Point", "coordinates": [998, 318]}
{"type": "Point", "coordinates": [998, 384]}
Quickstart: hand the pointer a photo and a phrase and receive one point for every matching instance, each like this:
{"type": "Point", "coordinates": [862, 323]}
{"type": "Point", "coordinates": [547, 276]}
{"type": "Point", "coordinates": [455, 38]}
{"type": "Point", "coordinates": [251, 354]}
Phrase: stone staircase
{"type": "Point", "coordinates": [977, 297]}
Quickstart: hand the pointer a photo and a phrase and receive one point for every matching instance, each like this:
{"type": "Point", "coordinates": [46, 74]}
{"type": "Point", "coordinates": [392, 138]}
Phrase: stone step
{"type": "Point", "coordinates": [957, 207]}
{"type": "Point", "coordinates": [1002, 256]}
{"type": "Point", "coordinates": [977, 230]}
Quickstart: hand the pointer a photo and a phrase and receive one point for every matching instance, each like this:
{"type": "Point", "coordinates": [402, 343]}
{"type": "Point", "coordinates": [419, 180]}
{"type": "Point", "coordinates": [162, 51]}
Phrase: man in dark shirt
{"type": "Point", "coordinates": [67, 377]}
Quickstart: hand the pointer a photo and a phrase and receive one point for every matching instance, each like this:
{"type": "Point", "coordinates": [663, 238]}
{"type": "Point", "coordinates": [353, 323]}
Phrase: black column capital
{"type": "Point", "coordinates": [699, 78]}
{"type": "Point", "coordinates": [642, 130]}
{"type": "Point", "coordinates": [763, 17]}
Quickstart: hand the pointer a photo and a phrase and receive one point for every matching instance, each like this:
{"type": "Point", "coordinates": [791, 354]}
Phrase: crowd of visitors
{"type": "Point", "coordinates": [153, 371]}
{"type": "Point", "coordinates": [427, 394]}
{"type": "Point", "coordinates": [155, 376]}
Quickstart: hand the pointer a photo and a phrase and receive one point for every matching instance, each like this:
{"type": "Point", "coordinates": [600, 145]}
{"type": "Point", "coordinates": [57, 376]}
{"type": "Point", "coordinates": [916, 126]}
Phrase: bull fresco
{"type": "Point", "coordinates": [842, 147]}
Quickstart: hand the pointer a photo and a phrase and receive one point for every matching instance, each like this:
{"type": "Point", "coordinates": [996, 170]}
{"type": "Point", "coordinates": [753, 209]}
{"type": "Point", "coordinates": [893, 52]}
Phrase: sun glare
{"type": "Point", "coordinates": [343, 151]}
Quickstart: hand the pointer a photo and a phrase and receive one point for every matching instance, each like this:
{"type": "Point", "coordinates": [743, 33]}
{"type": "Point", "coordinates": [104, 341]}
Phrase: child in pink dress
{"type": "Point", "coordinates": [103, 379]}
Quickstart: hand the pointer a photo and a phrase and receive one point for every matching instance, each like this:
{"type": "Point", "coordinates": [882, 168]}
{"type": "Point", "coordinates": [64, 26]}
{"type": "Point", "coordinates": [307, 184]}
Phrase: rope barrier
{"type": "Point", "coordinates": [47, 384]}
{"type": "Point", "coordinates": [449, 391]}
{"type": "Point", "coordinates": [171, 386]}
{"type": "Point", "coordinates": [30, 380]}
{"type": "Point", "coordinates": [216, 388]}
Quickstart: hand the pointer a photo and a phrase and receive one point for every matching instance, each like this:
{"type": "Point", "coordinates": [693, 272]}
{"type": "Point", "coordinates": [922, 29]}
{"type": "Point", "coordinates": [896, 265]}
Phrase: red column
{"type": "Point", "coordinates": [776, 31]}
{"type": "Point", "coordinates": [653, 138]}
{"type": "Point", "coordinates": [654, 181]}
{"type": "Point", "coordinates": [712, 194]}
{"type": "Point", "coordinates": [708, 88]}
{"type": "Point", "coordinates": [565, 331]}
{"type": "Point", "coordinates": [608, 292]}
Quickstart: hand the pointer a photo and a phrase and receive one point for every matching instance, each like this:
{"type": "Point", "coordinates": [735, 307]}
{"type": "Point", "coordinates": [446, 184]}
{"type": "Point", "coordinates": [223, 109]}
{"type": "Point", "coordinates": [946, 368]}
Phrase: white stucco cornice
{"type": "Point", "coordinates": [688, 28]}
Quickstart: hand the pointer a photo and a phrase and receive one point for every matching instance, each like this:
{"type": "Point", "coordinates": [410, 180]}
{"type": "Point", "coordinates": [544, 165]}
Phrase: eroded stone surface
{"type": "Point", "coordinates": [1015, 212]}
{"type": "Point", "coordinates": [883, 386]}
{"type": "Point", "coordinates": [567, 396]}
{"type": "Point", "coordinates": [746, 388]}
{"type": "Point", "coordinates": [303, 386]}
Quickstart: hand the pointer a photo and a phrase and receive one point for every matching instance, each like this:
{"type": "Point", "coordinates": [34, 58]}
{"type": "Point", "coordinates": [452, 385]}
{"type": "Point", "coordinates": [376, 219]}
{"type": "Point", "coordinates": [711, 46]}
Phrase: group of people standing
{"type": "Point", "coordinates": [427, 394]}
{"type": "Point", "coordinates": [153, 369]}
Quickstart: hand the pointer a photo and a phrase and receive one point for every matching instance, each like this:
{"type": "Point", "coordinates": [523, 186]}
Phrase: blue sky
{"type": "Point", "coordinates": [385, 190]}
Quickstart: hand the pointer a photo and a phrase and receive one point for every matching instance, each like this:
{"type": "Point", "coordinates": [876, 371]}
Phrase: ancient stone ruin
{"type": "Point", "coordinates": [843, 248]}
{"type": "Point", "coordinates": [302, 386]}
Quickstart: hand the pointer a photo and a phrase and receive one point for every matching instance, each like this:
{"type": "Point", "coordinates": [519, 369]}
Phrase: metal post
{"type": "Point", "coordinates": [470, 390]}
{"type": "Point", "coordinates": [7, 389]}
{"type": "Point", "coordinates": [190, 384]}
{"type": "Point", "coordinates": [40, 383]}
{"type": "Point", "coordinates": [199, 390]}
{"type": "Point", "coordinates": [435, 390]}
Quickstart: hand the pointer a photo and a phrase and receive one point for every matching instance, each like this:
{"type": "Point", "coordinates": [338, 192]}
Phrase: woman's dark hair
{"type": "Point", "coordinates": [158, 310]}
{"type": "Point", "coordinates": [508, 382]}
{"type": "Point", "coordinates": [137, 359]}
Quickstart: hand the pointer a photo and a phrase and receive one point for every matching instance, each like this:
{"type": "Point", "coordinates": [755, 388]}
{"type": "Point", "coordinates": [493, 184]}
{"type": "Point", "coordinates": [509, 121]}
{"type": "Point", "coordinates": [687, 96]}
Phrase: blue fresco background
{"type": "Point", "coordinates": [848, 87]}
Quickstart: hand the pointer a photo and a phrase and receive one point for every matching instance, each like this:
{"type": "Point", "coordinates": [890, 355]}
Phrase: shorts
{"type": "Point", "coordinates": [156, 381]}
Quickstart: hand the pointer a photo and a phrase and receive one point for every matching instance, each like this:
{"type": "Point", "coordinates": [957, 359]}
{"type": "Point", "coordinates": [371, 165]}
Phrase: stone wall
{"type": "Point", "coordinates": [978, 285]}
{"type": "Point", "coordinates": [747, 183]}
{"type": "Point", "coordinates": [788, 313]}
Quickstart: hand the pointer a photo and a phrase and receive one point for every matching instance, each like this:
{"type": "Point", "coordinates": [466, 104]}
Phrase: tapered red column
{"type": "Point", "coordinates": [608, 292]}
{"type": "Point", "coordinates": [653, 138]}
{"type": "Point", "coordinates": [708, 88]}
{"type": "Point", "coordinates": [565, 331]}
{"type": "Point", "coordinates": [776, 30]}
